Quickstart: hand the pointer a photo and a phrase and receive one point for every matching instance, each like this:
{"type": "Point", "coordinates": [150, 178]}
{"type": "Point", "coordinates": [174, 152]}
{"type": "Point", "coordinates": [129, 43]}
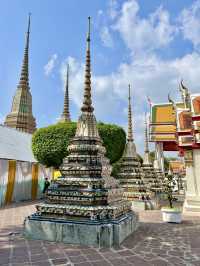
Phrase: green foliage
{"type": "Point", "coordinates": [169, 186]}
{"type": "Point", "coordinates": [114, 139]}
{"type": "Point", "coordinates": [49, 144]}
{"type": "Point", "coordinates": [115, 169]}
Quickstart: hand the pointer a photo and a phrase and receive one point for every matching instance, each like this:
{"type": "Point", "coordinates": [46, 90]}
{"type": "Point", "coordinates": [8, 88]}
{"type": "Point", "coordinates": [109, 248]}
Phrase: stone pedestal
{"type": "Point", "coordinates": [192, 195]}
{"type": "Point", "coordinates": [103, 233]}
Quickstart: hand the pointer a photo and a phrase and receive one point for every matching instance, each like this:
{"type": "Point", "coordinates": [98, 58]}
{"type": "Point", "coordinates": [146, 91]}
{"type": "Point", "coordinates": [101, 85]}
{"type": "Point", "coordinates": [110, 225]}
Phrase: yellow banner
{"type": "Point", "coordinates": [35, 170]}
{"type": "Point", "coordinates": [11, 181]}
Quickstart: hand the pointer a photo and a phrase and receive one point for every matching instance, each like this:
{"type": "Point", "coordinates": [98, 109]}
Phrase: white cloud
{"type": "Point", "coordinates": [106, 37]}
{"type": "Point", "coordinates": [113, 9]}
{"type": "Point", "coordinates": [2, 118]}
{"type": "Point", "coordinates": [151, 76]}
{"type": "Point", "coordinates": [148, 75]}
{"type": "Point", "coordinates": [144, 34]}
{"type": "Point", "coordinates": [48, 68]}
{"type": "Point", "coordinates": [100, 12]}
{"type": "Point", "coordinates": [190, 23]}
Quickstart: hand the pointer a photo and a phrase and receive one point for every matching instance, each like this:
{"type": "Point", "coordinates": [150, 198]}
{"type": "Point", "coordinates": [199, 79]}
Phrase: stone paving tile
{"type": "Point", "coordinates": [100, 263]}
{"type": "Point", "coordinates": [110, 255]}
{"type": "Point", "coordinates": [154, 243]}
{"type": "Point", "coordinates": [42, 263]}
{"type": "Point", "coordinates": [138, 261]}
{"type": "Point", "coordinates": [120, 262]}
{"type": "Point", "coordinates": [62, 261]}
{"type": "Point", "coordinates": [159, 262]}
{"type": "Point", "coordinates": [78, 259]}
{"type": "Point", "coordinates": [125, 253]}
{"type": "Point", "coordinates": [94, 257]}
{"type": "Point", "coordinates": [39, 257]}
{"type": "Point", "coordinates": [83, 264]}
{"type": "Point", "coordinates": [72, 253]}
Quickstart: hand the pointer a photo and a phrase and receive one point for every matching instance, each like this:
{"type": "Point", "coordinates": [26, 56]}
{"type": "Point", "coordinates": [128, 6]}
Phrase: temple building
{"type": "Point", "coordinates": [130, 173]}
{"type": "Point", "coordinates": [175, 126]}
{"type": "Point", "coordinates": [81, 207]}
{"type": "Point", "coordinates": [65, 117]}
{"type": "Point", "coordinates": [21, 116]}
{"type": "Point", "coordinates": [188, 140]}
{"type": "Point", "coordinates": [151, 181]}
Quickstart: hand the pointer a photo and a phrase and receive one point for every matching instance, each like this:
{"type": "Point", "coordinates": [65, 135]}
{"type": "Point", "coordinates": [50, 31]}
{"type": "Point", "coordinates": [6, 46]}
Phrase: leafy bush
{"type": "Point", "coordinates": [114, 139]}
{"type": "Point", "coordinates": [49, 144]}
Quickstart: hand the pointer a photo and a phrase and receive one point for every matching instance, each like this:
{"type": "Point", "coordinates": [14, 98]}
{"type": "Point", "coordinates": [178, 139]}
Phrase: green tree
{"type": "Point", "coordinates": [49, 144]}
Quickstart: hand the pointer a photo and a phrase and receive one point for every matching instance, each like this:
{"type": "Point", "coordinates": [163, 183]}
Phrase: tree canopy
{"type": "Point", "coordinates": [50, 144]}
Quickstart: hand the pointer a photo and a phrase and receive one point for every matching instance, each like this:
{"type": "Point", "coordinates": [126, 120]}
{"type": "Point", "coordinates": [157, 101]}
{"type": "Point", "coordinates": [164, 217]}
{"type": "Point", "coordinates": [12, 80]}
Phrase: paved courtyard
{"type": "Point", "coordinates": [154, 243]}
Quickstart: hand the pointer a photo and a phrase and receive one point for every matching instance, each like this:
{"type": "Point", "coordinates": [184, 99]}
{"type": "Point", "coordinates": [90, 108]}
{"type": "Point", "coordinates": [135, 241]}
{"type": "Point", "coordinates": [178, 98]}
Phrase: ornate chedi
{"type": "Point", "coordinates": [151, 182]}
{"type": "Point", "coordinates": [65, 117]}
{"type": "Point", "coordinates": [188, 140]}
{"type": "Point", "coordinates": [130, 171]}
{"type": "Point", "coordinates": [21, 116]}
{"type": "Point", "coordinates": [84, 206]}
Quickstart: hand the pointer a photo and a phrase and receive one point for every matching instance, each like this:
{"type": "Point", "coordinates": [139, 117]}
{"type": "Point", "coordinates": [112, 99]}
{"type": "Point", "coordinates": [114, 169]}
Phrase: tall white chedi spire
{"type": "Point", "coordinates": [87, 126]}
{"type": "Point", "coordinates": [65, 117]}
{"type": "Point", "coordinates": [130, 148]}
{"type": "Point", "coordinates": [21, 115]}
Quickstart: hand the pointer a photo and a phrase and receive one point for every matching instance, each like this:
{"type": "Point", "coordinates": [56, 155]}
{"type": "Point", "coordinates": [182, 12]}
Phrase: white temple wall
{"type": "Point", "coordinates": [3, 180]}
{"type": "Point", "coordinates": [23, 182]}
{"type": "Point", "coordinates": [196, 156]}
{"type": "Point", "coordinates": [20, 181]}
{"type": "Point", "coordinates": [192, 196]}
{"type": "Point", "coordinates": [159, 156]}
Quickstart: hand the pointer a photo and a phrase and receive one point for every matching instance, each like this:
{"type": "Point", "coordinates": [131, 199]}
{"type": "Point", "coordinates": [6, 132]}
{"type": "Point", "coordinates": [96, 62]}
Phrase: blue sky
{"type": "Point", "coordinates": [151, 44]}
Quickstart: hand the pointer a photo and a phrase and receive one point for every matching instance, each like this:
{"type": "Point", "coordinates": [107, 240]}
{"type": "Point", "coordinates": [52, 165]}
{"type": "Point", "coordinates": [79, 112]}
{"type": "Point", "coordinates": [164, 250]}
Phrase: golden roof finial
{"type": "Point", "coordinates": [185, 95]}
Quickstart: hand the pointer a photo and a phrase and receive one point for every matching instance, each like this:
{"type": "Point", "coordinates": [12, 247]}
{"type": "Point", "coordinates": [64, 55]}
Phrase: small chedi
{"type": "Point", "coordinates": [151, 181]}
{"type": "Point", "coordinates": [85, 205]}
{"type": "Point", "coordinates": [130, 173]}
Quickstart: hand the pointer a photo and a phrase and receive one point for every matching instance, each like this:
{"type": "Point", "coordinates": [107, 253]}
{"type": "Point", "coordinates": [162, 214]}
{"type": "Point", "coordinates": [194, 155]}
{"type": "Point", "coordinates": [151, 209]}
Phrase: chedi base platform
{"type": "Point", "coordinates": [102, 233]}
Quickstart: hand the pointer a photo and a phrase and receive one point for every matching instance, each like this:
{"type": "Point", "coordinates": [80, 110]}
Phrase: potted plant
{"type": "Point", "coordinates": [170, 213]}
